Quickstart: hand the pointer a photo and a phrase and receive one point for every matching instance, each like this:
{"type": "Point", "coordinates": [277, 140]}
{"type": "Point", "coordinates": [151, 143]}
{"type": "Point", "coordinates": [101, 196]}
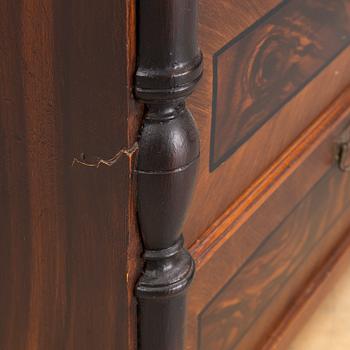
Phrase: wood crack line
{"type": "Point", "coordinates": [108, 162]}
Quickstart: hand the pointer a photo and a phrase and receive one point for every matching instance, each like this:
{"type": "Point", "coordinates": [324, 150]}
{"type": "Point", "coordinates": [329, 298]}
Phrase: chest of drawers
{"type": "Point", "coordinates": [174, 173]}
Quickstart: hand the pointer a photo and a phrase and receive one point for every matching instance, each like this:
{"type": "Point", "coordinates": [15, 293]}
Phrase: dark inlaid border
{"type": "Point", "coordinates": [330, 178]}
{"type": "Point", "coordinates": [270, 63]}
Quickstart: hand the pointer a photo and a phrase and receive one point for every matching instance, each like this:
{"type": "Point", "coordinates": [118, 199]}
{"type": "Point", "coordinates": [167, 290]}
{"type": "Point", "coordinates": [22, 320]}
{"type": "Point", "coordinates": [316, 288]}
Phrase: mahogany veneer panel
{"type": "Point", "coordinates": [218, 189]}
{"type": "Point", "coordinates": [232, 312]}
{"type": "Point", "coordinates": [259, 71]}
{"type": "Point", "coordinates": [235, 236]}
{"type": "Point", "coordinates": [69, 250]}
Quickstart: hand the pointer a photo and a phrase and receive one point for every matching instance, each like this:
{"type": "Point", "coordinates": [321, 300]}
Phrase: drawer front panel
{"type": "Point", "coordinates": [271, 239]}
{"type": "Point", "coordinates": [266, 62]}
{"type": "Point", "coordinates": [258, 72]}
{"type": "Point", "coordinates": [232, 312]}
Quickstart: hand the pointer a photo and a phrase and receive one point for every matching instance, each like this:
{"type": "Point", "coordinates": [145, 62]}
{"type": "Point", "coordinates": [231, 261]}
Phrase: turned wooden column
{"type": "Point", "coordinates": [169, 66]}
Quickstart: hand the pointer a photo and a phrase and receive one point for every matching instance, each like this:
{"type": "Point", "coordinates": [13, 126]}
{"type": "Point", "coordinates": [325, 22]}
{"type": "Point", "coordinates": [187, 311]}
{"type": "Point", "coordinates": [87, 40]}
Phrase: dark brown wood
{"type": "Point", "coordinates": [64, 95]}
{"type": "Point", "coordinates": [262, 69]}
{"type": "Point", "coordinates": [319, 139]}
{"type": "Point", "coordinates": [169, 66]}
{"type": "Point", "coordinates": [74, 195]}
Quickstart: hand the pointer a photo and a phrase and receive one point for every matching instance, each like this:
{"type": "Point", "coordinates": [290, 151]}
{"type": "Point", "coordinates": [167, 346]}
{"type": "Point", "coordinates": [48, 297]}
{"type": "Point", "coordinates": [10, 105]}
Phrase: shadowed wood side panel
{"type": "Point", "coordinates": [14, 208]}
{"type": "Point", "coordinates": [63, 227]}
{"type": "Point", "coordinates": [264, 67]}
{"type": "Point", "coordinates": [229, 316]}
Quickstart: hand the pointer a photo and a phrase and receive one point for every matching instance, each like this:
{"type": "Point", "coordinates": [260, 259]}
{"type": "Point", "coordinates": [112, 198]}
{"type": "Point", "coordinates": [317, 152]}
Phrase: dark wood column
{"type": "Point", "coordinates": [168, 68]}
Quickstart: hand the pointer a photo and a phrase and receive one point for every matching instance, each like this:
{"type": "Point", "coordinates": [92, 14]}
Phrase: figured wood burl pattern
{"type": "Point", "coordinates": [232, 312]}
{"type": "Point", "coordinates": [251, 219]}
{"type": "Point", "coordinates": [220, 188]}
{"type": "Point", "coordinates": [259, 71]}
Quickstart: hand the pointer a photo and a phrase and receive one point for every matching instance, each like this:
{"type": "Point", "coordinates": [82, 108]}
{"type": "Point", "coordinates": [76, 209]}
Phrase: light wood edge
{"type": "Point", "coordinates": [261, 189]}
{"type": "Point", "coordinates": [311, 296]}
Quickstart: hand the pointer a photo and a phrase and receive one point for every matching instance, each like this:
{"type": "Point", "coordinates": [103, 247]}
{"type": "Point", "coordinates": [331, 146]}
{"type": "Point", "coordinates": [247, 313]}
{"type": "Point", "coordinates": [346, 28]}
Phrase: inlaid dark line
{"type": "Point", "coordinates": [326, 177]}
{"type": "Point", "coordinates": [254, 26]}
{"type": "Point", "coordinates": [243, 107]}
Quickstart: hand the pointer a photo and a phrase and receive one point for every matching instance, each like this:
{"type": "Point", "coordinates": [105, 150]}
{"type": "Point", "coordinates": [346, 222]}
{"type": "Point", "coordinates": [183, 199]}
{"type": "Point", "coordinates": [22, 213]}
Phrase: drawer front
{"type": "Point", "coordinates": [266, 63]}
{"type": "Point", "coordinates": [253, 261]}
{"type": "Point", "coordinates": [260, 70]}
{"type": "Point", "coordinates": [253, 289]}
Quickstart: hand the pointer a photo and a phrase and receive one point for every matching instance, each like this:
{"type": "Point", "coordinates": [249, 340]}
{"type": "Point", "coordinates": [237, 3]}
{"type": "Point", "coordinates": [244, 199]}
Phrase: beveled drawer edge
{"type": "Point", "coordinates": [261, 190]}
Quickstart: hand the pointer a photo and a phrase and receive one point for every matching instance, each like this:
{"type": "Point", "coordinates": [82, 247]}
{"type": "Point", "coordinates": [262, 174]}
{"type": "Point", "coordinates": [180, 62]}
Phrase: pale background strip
{"type": "Point", "coordinates": [329, 327]}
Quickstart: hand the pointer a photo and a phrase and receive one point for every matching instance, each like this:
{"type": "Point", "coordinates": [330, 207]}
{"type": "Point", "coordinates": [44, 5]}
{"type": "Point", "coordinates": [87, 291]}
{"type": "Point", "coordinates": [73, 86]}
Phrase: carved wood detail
{"type": "Point", "coordinates": [168, 68]}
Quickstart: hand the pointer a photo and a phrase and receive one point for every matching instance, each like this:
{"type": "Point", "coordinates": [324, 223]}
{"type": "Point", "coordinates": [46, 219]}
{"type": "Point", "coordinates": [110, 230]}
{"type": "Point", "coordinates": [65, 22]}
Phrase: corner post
{"type": "Point", "coordinates": [168, 67]}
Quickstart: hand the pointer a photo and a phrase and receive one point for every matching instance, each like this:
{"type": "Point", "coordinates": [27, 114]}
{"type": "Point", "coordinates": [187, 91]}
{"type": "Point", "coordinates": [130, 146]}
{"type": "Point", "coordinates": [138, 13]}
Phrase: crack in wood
{"type": "Point", "coordinates": [129, 152]}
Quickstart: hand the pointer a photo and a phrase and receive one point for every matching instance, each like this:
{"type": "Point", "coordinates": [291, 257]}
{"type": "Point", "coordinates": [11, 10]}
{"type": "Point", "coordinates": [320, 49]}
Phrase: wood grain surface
{"type": "Point", "coordinates": [289, 295]}
{"type": "Point", "coordinates": [232, 312]}
{"type": "Point", "coordinates": [260, 70]}
{"type": "Point", "coordinates": [64, 107]}
{"type": "Point", "coordinates": [235, 236]}
{"type": "Point", "coordinates": [169, 65]}
{"type": "Point", "coordinates": [316, 137]}
{"type": "Point", "coordinates": [218, 25]}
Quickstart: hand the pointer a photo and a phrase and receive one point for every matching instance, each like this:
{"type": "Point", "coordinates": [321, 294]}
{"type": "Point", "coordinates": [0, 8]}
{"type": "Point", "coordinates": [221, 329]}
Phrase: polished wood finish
{"type": "Point", "coordinates": [232, 312]}
{"type": "Point", "coordinates": [245, 223]}
{"type": "Point", "coordinates": [264, 67]}
{"type": "Point", "coordinates": [283, 302]}
{"type": "Point", "coordinates": [101, 222]}
{"type": "Point", "coordinates": [317, 138]}
{"type": "Point", "coordinates": [293, 144]}
{"type": "Point", "coordinates": [219, 189]}
{"type": "Point", "coordinates": [169, 66]}
{"type": "Point", "coordinates": [64, 242]}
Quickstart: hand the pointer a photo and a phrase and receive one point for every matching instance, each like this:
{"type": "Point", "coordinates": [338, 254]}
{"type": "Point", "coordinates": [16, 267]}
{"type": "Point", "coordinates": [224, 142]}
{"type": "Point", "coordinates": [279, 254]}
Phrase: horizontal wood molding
{"type": "Point", "coordinates": [254, 286]}
{"type": "Point", "coordinates": [227, 244]}
{"type": "Point", "coordinates": [262, 69]}
{"type": "Point", "coordinates": [260, 191]}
